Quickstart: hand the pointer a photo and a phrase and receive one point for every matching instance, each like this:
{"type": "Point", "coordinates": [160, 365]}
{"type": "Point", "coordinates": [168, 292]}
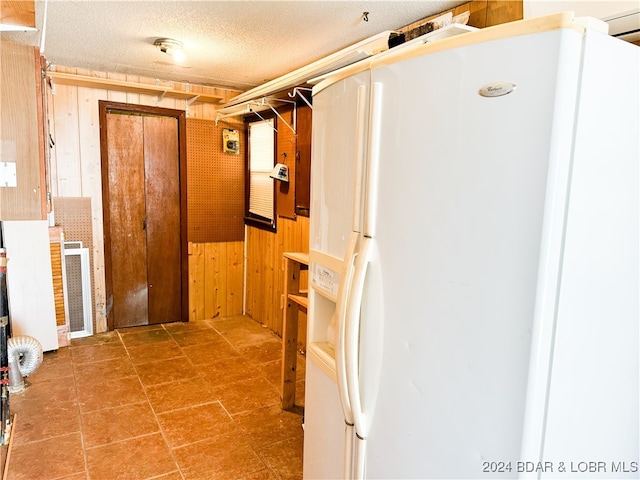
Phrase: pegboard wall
{"type": "Point", "coordinates": [73, 214]}
{"type": "Point", "coordinates": [215, 183]}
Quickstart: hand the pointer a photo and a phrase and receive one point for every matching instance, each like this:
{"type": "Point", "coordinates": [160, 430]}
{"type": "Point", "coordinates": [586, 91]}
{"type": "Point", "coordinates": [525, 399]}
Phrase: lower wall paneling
{"type": "Point", "coordinates": [265, 273]}
{"type": "Point", "coordinates": [215, 279]}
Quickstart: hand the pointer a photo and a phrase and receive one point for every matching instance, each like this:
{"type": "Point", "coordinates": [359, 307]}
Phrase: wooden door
{"type": "Point", "coordinates": [162, 193]}
{"type": "Point", "coordinates": [143, 213]}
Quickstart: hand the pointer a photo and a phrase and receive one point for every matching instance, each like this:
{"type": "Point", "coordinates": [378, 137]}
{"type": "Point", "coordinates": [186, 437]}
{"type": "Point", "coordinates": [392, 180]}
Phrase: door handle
{"type": "Point", "coordinates": [144, 223]}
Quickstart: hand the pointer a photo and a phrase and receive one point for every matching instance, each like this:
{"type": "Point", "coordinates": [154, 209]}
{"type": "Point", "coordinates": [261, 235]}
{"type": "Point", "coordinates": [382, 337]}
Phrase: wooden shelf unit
{"type": "Point", "coordinates": [295, 300]}
{"type": "Point", "coordinates": [130, 87]}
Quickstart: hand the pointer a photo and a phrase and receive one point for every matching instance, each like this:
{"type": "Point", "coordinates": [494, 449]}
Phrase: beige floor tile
{"type": "Point", "coordinates": [133, 459]}
{"type": "Point", "coordinates": [166, 371]}
{"type": "Point", "coordinates": [268, 351]}
{"type": "Point", "coordinates": [57, 366]}
{"type": "Point", "coordinates": [38, 395]}
{"type": "Point", "coordinates": [46, 420]}
{"type": "Point", "coordinates": [269, 425]}
{"type": "Point", "coordinates": [97, 339]}
{"type": "Point", "coordinates": [210, 352]}
{"type": "Point", "coordinates": [181, 394]}
{"type": "Point", "coordinates": [103, 370]}
{"type": "Point", "coordinates": [223, 458]}
{"type": "Point", "coordinates": [229, 370]}
{"type": "Point", "coordinates": [98, 352]}
{"type": "Point", "coordinates": [195, 337]}
{"type": "Point", "coordinates": [155, 351]}
{"type": "Point", "coordinates": [116, 424]}
{"type": "Point", "coordinates": [110, 393]}
{"type": "Point", "coordinates": [47, 459]}
{"type": "Point", "coordinates": [284, 458]}
{"type": "Point", "coordinates": [186, 326]}
{"type": "Point", "coordinates": [247, 395]}
{"type": "Point", "coordinates": [265, 474]}
{"type": "Point", "coordinates": [193, 424]}
{"type": "Point", "coordinates": [133, 337]}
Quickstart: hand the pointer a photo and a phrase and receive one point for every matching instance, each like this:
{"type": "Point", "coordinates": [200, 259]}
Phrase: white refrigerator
{"type": "Point", "coordinates": [474, 259]}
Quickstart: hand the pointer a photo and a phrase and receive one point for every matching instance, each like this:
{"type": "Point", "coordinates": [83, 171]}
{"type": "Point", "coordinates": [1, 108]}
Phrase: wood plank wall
{"type": "Point", "coordinates": [265, 268]}
{"type": "Point", "coordinates": [75, 158]}
{"type": "Point", "coordinates": [216, 274]}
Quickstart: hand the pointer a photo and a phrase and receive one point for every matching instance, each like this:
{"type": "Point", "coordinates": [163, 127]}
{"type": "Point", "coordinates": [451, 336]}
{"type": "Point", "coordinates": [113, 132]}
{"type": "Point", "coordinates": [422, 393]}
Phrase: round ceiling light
{"type": "Point", "coordinates": [171, 47]}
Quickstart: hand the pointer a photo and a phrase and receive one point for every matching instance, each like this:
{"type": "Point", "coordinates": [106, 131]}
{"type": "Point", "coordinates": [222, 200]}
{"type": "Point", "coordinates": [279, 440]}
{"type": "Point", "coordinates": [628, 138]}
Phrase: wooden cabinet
{"type": "Point", "coordinates": [295, 300]}
{"type": "Point", "coordinates": [22, 174]}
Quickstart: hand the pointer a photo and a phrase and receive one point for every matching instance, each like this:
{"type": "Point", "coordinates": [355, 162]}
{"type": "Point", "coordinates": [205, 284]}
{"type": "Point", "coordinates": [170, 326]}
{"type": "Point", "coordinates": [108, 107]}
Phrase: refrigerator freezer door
{"type": "Point", "coordinates": [466, 183]}
{"type": "Point", "coordinates": [335, 149]}
{"type": "Point", "coordinates": [324, 427]}
{"type": "Point", "coordinates": [340, 116]}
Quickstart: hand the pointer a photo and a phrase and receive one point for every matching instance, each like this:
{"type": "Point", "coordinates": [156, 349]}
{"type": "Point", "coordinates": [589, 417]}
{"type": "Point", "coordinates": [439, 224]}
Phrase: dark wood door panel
{"type": "Point", "coordinates": [126, 217]}
{"type": "Point", "coordinates": [162, 187]}
{"type": "Point", "coordinates": [143, 152]}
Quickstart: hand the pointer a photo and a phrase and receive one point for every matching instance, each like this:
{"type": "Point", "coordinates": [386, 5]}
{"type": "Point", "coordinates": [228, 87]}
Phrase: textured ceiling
{"type": "Point", "coordinates": [237, 44]}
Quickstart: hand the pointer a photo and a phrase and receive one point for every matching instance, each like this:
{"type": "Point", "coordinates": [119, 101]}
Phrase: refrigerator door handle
{"type": "Point", "coordinates": [373, 162]}
{"type": "Point", "coordinates": [341, 311]}
{"type": "Point", "coordinates": [352, 334]}
{"type": "Point", "coordinates": [361, 123]}
{"type": "Point", "coordinates": [341, 373]}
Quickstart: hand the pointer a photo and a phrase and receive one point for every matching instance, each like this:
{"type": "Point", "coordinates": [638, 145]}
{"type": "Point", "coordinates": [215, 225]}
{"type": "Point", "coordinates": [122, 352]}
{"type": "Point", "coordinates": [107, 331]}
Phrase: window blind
{"type": "Point", "coordinates": [260, 165]}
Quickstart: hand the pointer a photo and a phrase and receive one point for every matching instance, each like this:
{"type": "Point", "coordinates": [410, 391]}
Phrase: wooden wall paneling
{"type": "Point", "coordinates": [264, 269]}
{"type": "Point", "coordinates": [286, 148]}
{"type": "Point", "coordinates": [195, 109]}
{"type": "Point", "coordinates": [67, 142]}
{"type": "Point", "coordinates": [91, 178]}
{"type": "Point", "coordinates": [478, 13]}
{"type": "Point", "coordinates": [113, 95]}
{"type": "Point", "coordinates": [214, 287]}
{"type": "Point", "coordinates": [41, 65]}
{"type": "Point", "coordinates": [196, 281]}
{"type": "Point", "coordinates": [50, 120]}
{"type": "Point", "coordinates": [20, 131]}
{"type": "Point", "coordinates": [501, 11]}
{"type": "Point", "coordinates": [235, 278]}
{"type": "Point", "coordinates": [256, 247]}
{"type": "Point", "coordinates": [216, 275]}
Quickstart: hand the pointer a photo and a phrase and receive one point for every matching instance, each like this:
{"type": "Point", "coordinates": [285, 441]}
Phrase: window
{"type": "Point", "coordinates": [260, 192]}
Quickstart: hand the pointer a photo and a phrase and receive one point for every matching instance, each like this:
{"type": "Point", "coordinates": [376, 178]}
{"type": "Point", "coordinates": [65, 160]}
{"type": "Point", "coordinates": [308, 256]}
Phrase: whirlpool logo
{"type": "Point", "coordinates": [497, 89]}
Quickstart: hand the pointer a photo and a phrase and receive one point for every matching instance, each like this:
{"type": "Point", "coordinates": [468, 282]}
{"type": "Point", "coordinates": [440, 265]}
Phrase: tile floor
{"type": "Point", "coordinates": [180, 401]}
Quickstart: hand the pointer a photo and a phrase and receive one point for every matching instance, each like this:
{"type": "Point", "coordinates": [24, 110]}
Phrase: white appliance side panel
{"type": "Point", "coordinates": [333, 168]}
{"type": "Point", "coordinates": [324, 427]}
{"type": "Point", "coordinates": [594, 401]}
{"type": "Point", "coordinates": [463, 182]}
{"type": "Point", "coordinates": [30, 281]}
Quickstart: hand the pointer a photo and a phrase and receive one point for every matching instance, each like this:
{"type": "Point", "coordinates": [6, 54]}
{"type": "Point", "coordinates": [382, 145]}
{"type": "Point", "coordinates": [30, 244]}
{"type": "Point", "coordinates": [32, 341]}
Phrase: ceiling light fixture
{"type": "Point", "coordinates": [170, 47]}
